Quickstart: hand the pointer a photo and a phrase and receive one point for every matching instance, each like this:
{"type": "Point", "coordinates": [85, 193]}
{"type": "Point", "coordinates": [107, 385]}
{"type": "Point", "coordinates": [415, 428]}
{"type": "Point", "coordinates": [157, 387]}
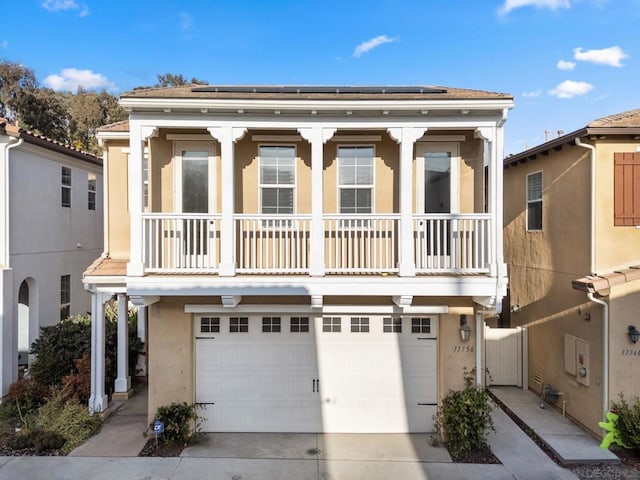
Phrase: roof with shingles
{"type": "Point", "coordinates": [630, 118]}
{"type": "Point", "coordinates": [601, 284]}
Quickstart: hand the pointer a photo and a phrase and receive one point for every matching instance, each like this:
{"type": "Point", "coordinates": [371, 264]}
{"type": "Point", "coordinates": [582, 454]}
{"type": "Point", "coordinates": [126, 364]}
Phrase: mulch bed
{"type": "Point", "coordinates": [479, 456]}
{"type": "Point", "coordinates": [161, 450]}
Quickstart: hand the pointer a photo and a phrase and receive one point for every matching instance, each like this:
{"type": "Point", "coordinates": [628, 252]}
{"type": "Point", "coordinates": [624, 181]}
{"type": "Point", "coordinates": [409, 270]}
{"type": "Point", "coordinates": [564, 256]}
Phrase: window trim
{"type": "Point", "coordinates": [276, 185]}
{"type": "Point", "coordinates": [239, 325]}
{"type": "Point", "coordinates": [540, 200]}
{"type": "Point", "coordinates": [360, 324]}
{"type": "Point", "coordinates": [373, 177]}
{"type": "Point", "coordinates": [65, 295]}
{"type": "Point", "coordinates": [271, 325]}
{"type": "Point", "coordinates": [422, 148]}
{"type": "Point", "coordinates": [92, 193]}
{"type": "Point", "coordinates": [191, 145]}
{"type": "Point", "coordinates": [65, 186]}
{"type": "Point", "coordinates": [395, 324]}
{"type": "Point", "coordinates": [303, 322]}
{"type": "Point", "coordinates": [332, 324]}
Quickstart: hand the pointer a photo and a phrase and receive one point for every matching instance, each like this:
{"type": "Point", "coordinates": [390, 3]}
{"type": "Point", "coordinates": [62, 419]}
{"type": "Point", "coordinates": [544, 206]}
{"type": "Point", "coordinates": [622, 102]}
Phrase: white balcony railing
{"type": "Point", "coordinates": [457, 243]}
{"type": "Point", "coordinates": [182, 242]}
{"type": "Point", "coordinates": [353, 244]}
{"type": "Point", "coordinates": [361, 243]}
{"type": "Point", "coordinates": [272, 243]}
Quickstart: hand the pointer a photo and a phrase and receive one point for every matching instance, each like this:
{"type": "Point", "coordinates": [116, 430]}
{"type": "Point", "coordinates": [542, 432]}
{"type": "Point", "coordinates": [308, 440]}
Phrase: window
{"type": "Point", "coordinates": [277, 179]}
{"type": "Point", "coordinates": [626, 185]}
{"type": "Point", "coordinates": [534, 201]}
{"type": "Point", "coordinates": [355, 179]}
{"type": "Point", "coordinates": [331, 324]}
{"type": "Point", "coordinates": [65, 296]}
{"type": "Point", "coordinates": [299, 324]}
{"type": "Point", "coordinates": [271, 324]}
{"type": "Point", "coordinates": [238, 325]}
{"type": "Point", "coordinates": [392, 325]}
{"type": "Point", "coordinates": [359, 324]}
{"type": "Point", "coordinates": [210, 325]}
{"type": "Point", "coordinates": [195, 181]}
{"type": "Point", "coordinates": [91, 187]}
{"type": "Point", "coordinates": [421, 325]}
{"type": "Point", "coordinates": [66, 187]}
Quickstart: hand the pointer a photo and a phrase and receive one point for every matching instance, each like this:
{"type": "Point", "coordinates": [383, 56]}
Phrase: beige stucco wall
{"type": "Point", "coordinates": [454, 355]}
{"type": "Point", "coordinates": [616, 246]}
{"type": "Point", "coordinates": [118, 212]}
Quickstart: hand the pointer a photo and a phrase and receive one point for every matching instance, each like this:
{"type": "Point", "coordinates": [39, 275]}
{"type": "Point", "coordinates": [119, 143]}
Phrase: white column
{"type": "Point", "coordinates": [138, 134]}
{"type": "Point", "coordinates": [227, 136]}
{"type": "Point", "coordinates": [406, 136]}
{"type": "Point", "coordinates": [141, 366]}
{"type": "Point", "coordinates": [123, 380]}
{"type": "Point", "coordinates": [488, 135]}
{"type": "Point", "coordinates": [498, 221]}
{"type": "Point", "coordinates": [317, 137]}
{"type": "Point", "coordinates": [98, 399]}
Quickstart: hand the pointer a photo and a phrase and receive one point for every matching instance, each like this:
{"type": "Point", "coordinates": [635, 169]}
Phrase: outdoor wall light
{"type": "Point", "coordinates": [465, 329]}
{"type": "Point", "coordinates": [634, 334]}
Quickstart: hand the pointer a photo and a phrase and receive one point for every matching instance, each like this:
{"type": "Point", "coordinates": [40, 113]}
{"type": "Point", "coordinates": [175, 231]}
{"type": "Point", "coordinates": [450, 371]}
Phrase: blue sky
{"type": "Point", "coordinates": [566, 62]}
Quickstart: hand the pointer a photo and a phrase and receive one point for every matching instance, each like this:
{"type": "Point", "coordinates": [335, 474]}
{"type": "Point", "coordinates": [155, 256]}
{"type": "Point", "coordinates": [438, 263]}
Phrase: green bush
{"type": "Point", "coordinates": [628, 421]}
{"type": "Point", "coordinates": [180, 423]}
{"type": "Point", "coordinates": [39, 440]}
{"type": "Point", "coordinates": [69, 419]}
{"type": "Point", "coordinates": [464, 418]}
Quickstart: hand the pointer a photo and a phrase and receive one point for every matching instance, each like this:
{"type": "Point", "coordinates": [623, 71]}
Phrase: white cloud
{"type": "Point", "coordinates": [611, 56]}
{"type": "Point", "coordinates": [186, 21]}
{"type": "Point", "coordinates": [4, 44]}
{"type": "Point", "coordinates": [72, 78]}
{"type": "Point", "coordinates": [550, 4]}
{"type": "Point", "coordinates": [570, 89]}
{"type": "Point", "coordinates": [564, 65]}
{"type": "Point", "coordinates": [534, 93]}
{"type": "Point", "coordinates": [371, 44]}
{"type": "Point", "coordinates": [57, 5]}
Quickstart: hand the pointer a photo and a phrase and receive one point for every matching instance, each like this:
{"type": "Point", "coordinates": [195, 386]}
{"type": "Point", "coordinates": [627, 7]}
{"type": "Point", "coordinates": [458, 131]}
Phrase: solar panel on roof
{"type": "Point", "coordinates": [317, 89]}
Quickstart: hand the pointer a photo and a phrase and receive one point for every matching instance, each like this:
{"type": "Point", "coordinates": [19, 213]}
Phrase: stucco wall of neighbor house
{"type": "Point", "coordinates": [118, 221]}
{"type": "Point", "coordinates": [6, 329]}
{"type": "Point", "coordinates": [170, 353]}
{"type": "Point", "coordinates": [624, 356]}
{"type": "Point", "coordinates": [616, 246]}
{"type": "Point", "coordinates": [542, 266]}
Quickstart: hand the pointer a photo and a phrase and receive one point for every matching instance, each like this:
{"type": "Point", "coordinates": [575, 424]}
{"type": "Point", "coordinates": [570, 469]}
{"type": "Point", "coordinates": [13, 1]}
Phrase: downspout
{"type": "Point", "coordinates": [592, 258]}
{"type": "Point", "coordinates": [7, 198]}
{"type": "Point", "coordinates": [605, 350]}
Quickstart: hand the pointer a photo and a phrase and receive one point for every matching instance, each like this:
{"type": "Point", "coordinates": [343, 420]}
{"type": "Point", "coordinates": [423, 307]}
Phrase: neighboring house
{"type": "Point", "coordinates": [51, 211]}
{"type": "Point", "coordinates": [572, 238]}
{"type": "Point", "coordinates": [309, 257]}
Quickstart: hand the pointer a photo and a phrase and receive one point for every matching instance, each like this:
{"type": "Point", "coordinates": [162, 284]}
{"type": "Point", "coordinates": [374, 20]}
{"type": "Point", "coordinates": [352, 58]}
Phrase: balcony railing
{"type": "Point", "coordinates": [281, 244]}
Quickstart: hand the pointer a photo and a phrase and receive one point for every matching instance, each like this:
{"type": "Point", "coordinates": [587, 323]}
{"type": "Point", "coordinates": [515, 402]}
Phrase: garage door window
{"type": "Point", "coordinates": [331, 324]}
{"type": "Point", "coordinates": [420, 325]}
{"type": "Point", "coordinates": [299, 324]}
{"type": "Point", "coordinates": [359, 324]}
{"type": "Point", "coordinates": [270, 324]}
{"type": "Point", "coordinates": [392, 325]}
{"type": "Point", "coordinates": [239, 325]}
{"type": "Point", "coordinates": [209, 325]}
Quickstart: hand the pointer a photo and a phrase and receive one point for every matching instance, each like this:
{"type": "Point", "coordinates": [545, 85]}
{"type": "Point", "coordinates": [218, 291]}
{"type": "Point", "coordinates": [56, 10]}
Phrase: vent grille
{"type": "Point", "coordinates": [537, 378]}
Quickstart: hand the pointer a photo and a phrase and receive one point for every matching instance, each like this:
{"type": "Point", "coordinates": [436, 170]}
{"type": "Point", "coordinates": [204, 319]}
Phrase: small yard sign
{"type": "Point", "coordinates": [158, 428]}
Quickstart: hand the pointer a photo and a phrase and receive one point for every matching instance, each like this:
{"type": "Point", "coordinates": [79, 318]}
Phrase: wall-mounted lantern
{"type": "Point", "coordinates": [634, 334]}
{"type": "Point", "coordinates": [465, 329]}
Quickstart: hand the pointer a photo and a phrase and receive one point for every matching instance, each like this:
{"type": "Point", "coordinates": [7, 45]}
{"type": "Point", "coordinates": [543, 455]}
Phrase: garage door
{"type": "Point", "coordinates": [349, 374]}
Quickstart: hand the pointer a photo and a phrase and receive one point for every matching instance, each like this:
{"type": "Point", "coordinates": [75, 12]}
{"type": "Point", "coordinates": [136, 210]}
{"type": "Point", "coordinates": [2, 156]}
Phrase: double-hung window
{"type": "Point", "coordinates": [355, 179]}
{"type": "Point", "coordinates": [65, 296]}
{"type": "Point", "coordinates": [534, 201]}
{"type": "Point", "coordinates": [66, 187]}
{"type": "Point", "coordinates": [277, 179]}
{"type": "Point", "coordinates": [92, 188]}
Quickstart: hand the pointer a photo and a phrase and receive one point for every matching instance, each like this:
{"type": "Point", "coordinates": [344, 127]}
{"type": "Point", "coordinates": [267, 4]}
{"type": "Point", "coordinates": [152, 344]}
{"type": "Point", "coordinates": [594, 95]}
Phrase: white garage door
{"type": "Point", "coordinates": [305, 374]}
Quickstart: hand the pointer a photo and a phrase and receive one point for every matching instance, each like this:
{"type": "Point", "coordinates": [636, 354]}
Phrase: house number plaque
{"type": "Point", "coordinates": [463, 348]}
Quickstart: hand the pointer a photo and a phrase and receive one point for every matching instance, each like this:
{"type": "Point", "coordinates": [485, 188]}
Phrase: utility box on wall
{"type": "Point", "coordinates": [576, 358]}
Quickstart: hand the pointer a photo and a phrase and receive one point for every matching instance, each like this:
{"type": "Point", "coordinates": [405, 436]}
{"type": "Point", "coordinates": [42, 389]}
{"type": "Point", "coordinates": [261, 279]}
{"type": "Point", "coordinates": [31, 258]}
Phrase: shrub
{"type": "Point", "coordinates": [77, 386]}
{"type": "Point", "coordinates": [69, 419]}
{"type": "Point", "coordinates": [27, 394]}
{"type": "Point", "coordinates": [628, 421]}
{"type": "Point", "coordinates": [40, 440]}
{"type": "Point", "coordinates": [464, 418]}
{"type": "Point", "coordinates": [179, 423]}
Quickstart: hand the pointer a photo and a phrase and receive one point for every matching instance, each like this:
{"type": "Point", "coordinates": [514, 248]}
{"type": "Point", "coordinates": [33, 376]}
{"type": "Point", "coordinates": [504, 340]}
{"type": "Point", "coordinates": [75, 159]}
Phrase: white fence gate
{"type": "Point", "coordinates": [506, 356]}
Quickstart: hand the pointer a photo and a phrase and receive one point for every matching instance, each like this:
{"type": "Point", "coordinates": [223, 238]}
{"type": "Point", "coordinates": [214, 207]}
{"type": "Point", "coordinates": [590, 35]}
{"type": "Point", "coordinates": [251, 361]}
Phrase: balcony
{"type": "Point", "coordinates": [281, 244]}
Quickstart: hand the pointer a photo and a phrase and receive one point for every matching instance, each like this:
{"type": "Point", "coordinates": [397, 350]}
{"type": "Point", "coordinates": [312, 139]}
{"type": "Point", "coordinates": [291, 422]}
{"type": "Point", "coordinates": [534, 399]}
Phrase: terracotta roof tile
{"type": "Point", "coordinates": [630, 118]}
{"type": "Point", "coordinates": [122, 126]}
{"type": "Point", "coordinates": [110, 267]}
{"type": "Point", "coordinates": [601, 284]}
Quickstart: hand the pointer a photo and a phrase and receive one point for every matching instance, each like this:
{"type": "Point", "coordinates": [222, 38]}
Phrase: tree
{"type": "Point", "coordinates": [173, 80]}
{"type": "Point", "coordinates": [16, 80]}
{"type": "Point", "coordinates": [42, 111]}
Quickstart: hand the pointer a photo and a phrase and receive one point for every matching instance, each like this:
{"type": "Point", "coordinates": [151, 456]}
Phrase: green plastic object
{"type": "Point", "coordinates": [612, 435]}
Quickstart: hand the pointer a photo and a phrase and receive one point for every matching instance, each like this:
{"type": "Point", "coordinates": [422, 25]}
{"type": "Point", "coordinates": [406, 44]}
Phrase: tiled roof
{"type": "Point", "coordinates": [630, 118]}
{"type": "Point", "coordinates": [107, 266]}
{"type": "Point", "coordinates": [265, 92]}
{"type": "Point", "coordinates": [601, 284]}
{"type": "Point", "coordinates": [122, 126]}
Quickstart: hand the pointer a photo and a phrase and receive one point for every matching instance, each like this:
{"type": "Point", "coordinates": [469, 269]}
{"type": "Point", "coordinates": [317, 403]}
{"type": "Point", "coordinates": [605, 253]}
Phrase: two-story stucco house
{"type": "Point", "coordinates": [309, 258]}
{"type": "Point", "coordinates": [572, 239]}
{"type": "Point", "coordinates": [51, 214]}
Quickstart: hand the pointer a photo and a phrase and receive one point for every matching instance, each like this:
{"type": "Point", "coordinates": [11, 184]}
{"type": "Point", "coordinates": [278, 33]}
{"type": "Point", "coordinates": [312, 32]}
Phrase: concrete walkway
{"type": "Point", "coordinates": [567, 441]}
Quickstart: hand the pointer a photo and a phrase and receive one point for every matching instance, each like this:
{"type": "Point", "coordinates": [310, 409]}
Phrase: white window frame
{"type": "Point", "coordinates": [66, 186]}
{"type": "Point", "coordinates": [430, 333]}
{"type": "Point", "coordinates": [272, 324]}
{"type": "Point", "coordinates": [240, 324]}
{"type": "Point", "coordinates": [92, 193]}
{"type": "Point", "coordinates": [213, 323]}
{"type": "Point", "coordinates": [453, 148]}
{"type": "Point", "coordinates": [277, 185]}
{"type": "Point", "coordinates": [355, 186]}
{"type": "Point", "coordinates": [360, 324]}
{"type": "Point", "coordinates": [538, 200]}
{"type": "Point", "coordinates": [178, 148]}
{"type": "Point", "coordinates": [394, 326]}
{"type": "Point", "coordinates": [333, 323]}
{"type": "Point", "coordinates": [303, 322]}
